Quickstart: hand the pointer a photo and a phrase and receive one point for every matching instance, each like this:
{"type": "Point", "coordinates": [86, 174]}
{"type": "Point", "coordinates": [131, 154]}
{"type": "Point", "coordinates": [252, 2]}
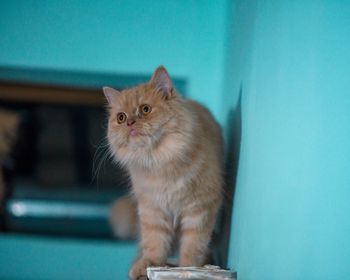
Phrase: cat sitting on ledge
{"type": "Point", "coordinates": [172, 149]}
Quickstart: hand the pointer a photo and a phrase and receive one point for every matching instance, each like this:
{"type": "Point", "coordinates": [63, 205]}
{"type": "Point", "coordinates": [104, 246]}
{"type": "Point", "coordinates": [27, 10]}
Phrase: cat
{"type": "Point", "coordinates": [172, 149]}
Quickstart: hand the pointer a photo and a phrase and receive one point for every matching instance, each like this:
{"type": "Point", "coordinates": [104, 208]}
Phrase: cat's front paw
{"type": "Point", "coordinates": [139, 268]}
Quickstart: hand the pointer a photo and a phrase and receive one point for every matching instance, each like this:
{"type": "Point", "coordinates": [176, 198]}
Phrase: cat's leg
{"type": "Point", "coordinates": [156, 239]}
{"type": "Point", "coordinates": [196, 230]}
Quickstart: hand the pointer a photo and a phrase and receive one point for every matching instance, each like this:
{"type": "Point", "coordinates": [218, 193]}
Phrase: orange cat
{"type": "Point", "coordinates": [172, 149]}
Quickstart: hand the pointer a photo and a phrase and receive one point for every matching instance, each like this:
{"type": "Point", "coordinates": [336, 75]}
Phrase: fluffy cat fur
{"type": "Point", "coordinates": [174, 155]}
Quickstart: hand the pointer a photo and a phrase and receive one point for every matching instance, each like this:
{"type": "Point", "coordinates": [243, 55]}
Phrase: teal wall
{"type": "Point", "coordinates": [121, 37]}
{"type": "Point", "coordinates": [290, 60]}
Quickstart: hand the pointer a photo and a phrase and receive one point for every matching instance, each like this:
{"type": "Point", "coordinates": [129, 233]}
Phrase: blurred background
{"type": "Point", "coordinates": [274, 73]}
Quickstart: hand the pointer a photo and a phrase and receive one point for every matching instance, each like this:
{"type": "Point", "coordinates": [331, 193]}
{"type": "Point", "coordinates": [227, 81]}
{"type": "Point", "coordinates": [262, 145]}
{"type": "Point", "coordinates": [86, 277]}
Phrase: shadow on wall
{"type": "Point", "coordinates": [233, 131]}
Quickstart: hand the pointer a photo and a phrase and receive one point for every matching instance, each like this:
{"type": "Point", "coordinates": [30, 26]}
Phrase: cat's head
{"type": "Point", "coordinates": [141, 116]}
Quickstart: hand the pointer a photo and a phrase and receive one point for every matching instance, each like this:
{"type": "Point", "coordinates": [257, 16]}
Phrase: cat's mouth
{"type": "Point", "coordinates": [135, 132]}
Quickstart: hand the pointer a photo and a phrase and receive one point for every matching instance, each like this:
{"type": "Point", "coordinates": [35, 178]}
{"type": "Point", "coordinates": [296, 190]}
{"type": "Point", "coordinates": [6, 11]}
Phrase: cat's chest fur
{"type": "Point", "coordinates": [165, 192]}
{"type": "Point", "coordinates": [166, 176]}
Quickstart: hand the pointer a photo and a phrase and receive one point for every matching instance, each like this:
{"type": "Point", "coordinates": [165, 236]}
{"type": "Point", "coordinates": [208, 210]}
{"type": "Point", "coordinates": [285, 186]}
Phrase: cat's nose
{"type": "Point", "coordinates": [130, 122]}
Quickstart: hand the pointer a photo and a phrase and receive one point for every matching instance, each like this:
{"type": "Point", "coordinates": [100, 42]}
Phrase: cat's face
{"type": "Point", "coordinates": [141, 116]}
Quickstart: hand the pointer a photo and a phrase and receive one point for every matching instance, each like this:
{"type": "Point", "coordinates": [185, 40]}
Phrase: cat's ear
{"type": "Point", "coordinates": [162, 81]}
{"type": "Point", "coordinates": [110, 94]}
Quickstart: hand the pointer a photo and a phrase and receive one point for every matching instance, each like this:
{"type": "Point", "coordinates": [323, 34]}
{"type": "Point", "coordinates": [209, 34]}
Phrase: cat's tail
{"type": "Point", "coordinates": [123, 218]}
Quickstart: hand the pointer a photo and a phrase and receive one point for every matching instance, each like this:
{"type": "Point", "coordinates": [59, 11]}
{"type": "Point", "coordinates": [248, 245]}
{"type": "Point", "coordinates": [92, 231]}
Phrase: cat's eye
{"type": "Point", "coordinates": [121, 117]}
{"type": "Point", "coordinates": [145, 109]}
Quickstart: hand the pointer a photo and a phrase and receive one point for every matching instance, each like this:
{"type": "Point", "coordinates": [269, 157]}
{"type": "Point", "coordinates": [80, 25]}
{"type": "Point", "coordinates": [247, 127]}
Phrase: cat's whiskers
{"type": "Point", "coordinates": [106, 153]}
{"type": "Point", "coordinates": [98, 166]}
